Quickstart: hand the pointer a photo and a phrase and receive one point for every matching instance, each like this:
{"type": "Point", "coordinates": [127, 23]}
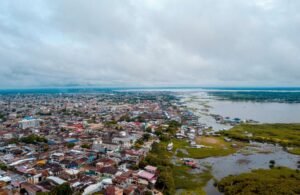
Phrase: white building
{"type": "Point", "coordinates": [29, 122]}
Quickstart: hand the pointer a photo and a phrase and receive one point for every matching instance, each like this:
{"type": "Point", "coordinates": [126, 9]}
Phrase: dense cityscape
{"type": "Point", "coordinates": [89, 143]}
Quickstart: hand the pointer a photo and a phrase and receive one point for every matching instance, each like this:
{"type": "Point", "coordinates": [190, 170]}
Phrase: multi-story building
{"type": "Point", "coordinates": [29, 122]}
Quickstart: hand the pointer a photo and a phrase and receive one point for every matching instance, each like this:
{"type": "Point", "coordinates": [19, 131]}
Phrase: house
{"type": "Point", "coordinates": [68, 164]}
{"type": "Point", "coordinates": [105, 162]}
{"type": "Point", "coordinates": [56, 180]}
{"type": "Point", "coordinates": [170, 146]}
{"type": "Point", "coordinates": [123, 180]}
{"type": "Point", "coordinates": [108, 170]}
{"type": "Point", "coordinates": [30, 189]}
{"type": "Point", "coordinates": [150, 177]}
{"type": "Point", "coordinates": [113, 190]}
{"type": "Point", "coordinates": [57, 157]}
{"type": "Point", "coordinates": [129, 190]}
{"type": "Point", "coordinates": [151, 169]}
{"type": "Point", "coordinates": [36, 178]}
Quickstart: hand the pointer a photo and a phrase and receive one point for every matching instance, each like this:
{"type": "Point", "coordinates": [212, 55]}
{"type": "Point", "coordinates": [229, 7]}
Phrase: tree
{"type": "Point", "coordinates": [63, 189]}
{"type": "Point", "coordinates": [146, 136]}
{"type": "Point", "coordinates": [86, 146]}
{"type": "Point", "coordinates": [272, 163]}
{"type": "Point", "coordinates": [149, 129]}
{"type": "Point", "coordinates": [70, 145]}
{"type": "Point", "coordinates": [3, 167]}
{"type": "Point", "coordinates": [33, 139]}
{"type": "Point", "coordinates": [165, 182]}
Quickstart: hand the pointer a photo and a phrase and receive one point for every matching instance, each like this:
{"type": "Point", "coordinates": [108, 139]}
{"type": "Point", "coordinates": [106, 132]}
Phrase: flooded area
{"type": "Point", "coordinates": [253, 156]}
{"type": "Point", "coordinates": [199, 104]}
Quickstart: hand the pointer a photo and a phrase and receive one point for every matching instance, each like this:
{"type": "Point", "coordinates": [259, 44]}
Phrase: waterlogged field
{"type": "Point", "coordinates": [284, 134]}
{"type": "Point", "coordinates": [174, 176]}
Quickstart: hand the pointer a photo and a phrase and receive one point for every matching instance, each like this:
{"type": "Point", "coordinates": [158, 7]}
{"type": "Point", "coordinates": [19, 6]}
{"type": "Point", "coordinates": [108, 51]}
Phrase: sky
{"type": "Point", "coordinates": [136, 43]}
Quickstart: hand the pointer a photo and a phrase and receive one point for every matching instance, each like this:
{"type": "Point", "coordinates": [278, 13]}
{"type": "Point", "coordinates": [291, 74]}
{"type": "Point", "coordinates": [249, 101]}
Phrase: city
{"type": "Point", "coordinates": [92, 142]}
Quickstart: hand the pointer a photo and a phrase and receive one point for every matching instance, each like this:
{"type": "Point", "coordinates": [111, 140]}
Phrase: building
{"type": "Point", "coordinates": [29, 122]}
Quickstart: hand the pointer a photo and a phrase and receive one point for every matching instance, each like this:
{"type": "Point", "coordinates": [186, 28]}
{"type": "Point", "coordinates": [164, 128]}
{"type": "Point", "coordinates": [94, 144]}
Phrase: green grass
{"type": "Point", "coordinates": [284, 134]}
{"type": "Point", "coordinates": [199, 153]}
{"type": "Point", "coordinates": [223, 149]}
{"type": "Point", "coordinates": [190, 183]}
{"type": "Point", "coordinates": [279, 180]}
{"type": "Point", "coordinates": [295, 151]}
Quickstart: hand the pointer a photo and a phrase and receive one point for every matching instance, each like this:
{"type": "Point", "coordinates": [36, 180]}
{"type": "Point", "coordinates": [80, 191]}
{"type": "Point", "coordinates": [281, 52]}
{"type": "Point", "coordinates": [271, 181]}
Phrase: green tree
{"type": "Point", "coordinates": [87, 146]}
{"type": "Point", "coordinates": [165, 182]}
{"type": "Point", "coordinates": [63, 189]}
{"type": "Point", "coordinates": [146, 136]}
{"type": "Point", "coordinates": [70, 145]}
{"type": "Point", "coordinates": [149, 129]}
{"type": "Point", "coordinates": [3, 167]}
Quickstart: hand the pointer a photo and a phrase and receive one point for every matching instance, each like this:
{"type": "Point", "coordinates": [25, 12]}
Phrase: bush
{"type": "Point", "coordinates": [87, 146]}
{"type": "Point", "coordinates": [63, 189]}
{"type": "Point", "coordinates": [70, 145]}
{"type": "Point", "coordinates": [3, 167]}
{"type": "Point", "coordinates": [33, 139]}
{"type": "Point", "coordinates": [279, 180]}
{"type": "Point", "coordinates": [165, 182]}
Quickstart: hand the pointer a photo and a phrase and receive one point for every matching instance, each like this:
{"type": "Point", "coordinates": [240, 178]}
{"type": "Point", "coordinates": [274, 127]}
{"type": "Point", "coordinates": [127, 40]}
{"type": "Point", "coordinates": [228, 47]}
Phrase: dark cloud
{"type": "Point", "coordinates": [149, 43]}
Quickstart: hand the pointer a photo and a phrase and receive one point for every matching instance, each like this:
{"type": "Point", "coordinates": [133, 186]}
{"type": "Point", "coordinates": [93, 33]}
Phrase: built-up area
{"type": "Point", "coordinates": [85, 143]}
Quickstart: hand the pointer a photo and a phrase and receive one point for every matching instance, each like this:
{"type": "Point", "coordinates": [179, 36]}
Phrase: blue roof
{"type": "Point", "coordinates": [29, 118]}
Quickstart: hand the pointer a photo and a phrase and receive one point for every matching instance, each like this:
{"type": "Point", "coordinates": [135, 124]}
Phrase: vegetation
{"type": "Point", "coordinates": [148, 129]}
{"type": "Point", "coordinates": [258, 96]}
{"type": "Point", "coordinates": [63, 189]}
{"type": "Point", "coordinates": [70, 145]}
{"type": "Point", "coordinates": [33, 139]}
{"type": "Point", "coordinates": [87, 146]}
{"type": "Point", "coordinates": [146, 137]}
{"type": "Point", "coordinates": [278, 180]}
{"type": "Point", "coordinates": [221, 148]}
{"type": "Point", "coordinates": [3, 167]}
{"type": "Point", "coordinates": [2, 116]}
{"type": "Point", "coordinates": [173, 127]}
{"type": "Point", "coordinates": [284, 134]}
{"type": "Point", "coordinates": [111, 123]}
{"type": "Point", "coordinates": [125, 117]}
{"type": "Point", "coordinates": [294, 150]}
{"type": "Point", "coordinates": [174, 176]}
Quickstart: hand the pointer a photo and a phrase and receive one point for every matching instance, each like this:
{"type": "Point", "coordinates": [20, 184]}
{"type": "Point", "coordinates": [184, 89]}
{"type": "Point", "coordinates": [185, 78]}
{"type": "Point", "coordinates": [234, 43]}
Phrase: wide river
{"type": "Point", "coordinates": [266, 112]}
{"type": "Point", "coordinates": [263, 112]}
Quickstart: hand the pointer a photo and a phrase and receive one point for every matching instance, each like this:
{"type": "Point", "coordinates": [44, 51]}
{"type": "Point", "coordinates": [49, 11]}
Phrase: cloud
{"type": "Point", "coordinates": [149, 43]}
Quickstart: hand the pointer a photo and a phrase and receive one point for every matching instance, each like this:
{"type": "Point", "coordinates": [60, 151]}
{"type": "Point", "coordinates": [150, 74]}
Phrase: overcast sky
{"type": "Point", "coordinates": [149, 43]}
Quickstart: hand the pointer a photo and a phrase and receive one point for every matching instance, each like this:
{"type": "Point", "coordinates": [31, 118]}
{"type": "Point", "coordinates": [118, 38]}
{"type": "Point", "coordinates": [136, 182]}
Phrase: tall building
{"type": "Point", "coordinates": [29, 122]}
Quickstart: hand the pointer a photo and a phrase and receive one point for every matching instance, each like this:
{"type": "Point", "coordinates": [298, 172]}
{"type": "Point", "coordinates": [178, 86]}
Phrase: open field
{"type": "Point", "coordinates": [279, 180]}
{"type": "Point", "coordinates": [210, 141]}
{"type": "Point", "coordinates": [215, 146]}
